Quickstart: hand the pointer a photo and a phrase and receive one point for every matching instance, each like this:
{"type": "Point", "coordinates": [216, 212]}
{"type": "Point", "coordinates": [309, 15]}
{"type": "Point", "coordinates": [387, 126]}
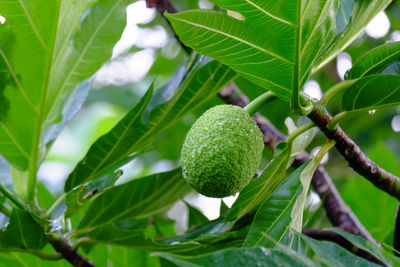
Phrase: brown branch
{"type": "Point", "coordinates": [72, 256]}
{"type": "Point", "coordinates": [341, 241]}
{"type": "Point", "coordinates": [356, 159]}
{"type": "Point", "coordinates": [337, 211]}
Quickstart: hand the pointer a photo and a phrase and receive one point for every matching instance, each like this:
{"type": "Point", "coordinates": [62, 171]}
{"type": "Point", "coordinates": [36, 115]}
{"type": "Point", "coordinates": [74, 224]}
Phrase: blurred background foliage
{"type": "Point", "coordinates": [148, 52]}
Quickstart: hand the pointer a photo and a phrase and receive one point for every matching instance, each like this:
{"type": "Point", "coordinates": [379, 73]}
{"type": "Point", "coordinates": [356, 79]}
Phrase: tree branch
{"type": "Point", "coordinates": [341, 241]}
{"type": "Point", "coordinates": [61, 245]}
{"type": "Point", "coordinates": [337, 211]}
{"type": "Point", "coordinates": [356, 159]}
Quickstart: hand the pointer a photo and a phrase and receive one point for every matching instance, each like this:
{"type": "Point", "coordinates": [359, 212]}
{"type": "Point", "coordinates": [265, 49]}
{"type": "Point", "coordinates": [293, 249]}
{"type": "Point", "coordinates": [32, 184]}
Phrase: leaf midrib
{"type": "Point", "coordinates": [27, 15]}
{"type": "Point", "coordinates": [147, 199]}
{"type": "Point", "coordinates": [279, 216]}
{"type": "Point", "coordinates": [88, 44]}
{"type": "Point", "coordinates": [270, 15]}
{"type": "Point", "coordinates": [378, 63]}
{"type": "Point", "coordinates": [263, 187]}
{"type": "Point", "coordinates": [237, 39]}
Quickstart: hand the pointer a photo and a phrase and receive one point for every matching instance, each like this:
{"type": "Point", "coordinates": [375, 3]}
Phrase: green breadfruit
{"type": "Point", "coordinates": [222, 151]}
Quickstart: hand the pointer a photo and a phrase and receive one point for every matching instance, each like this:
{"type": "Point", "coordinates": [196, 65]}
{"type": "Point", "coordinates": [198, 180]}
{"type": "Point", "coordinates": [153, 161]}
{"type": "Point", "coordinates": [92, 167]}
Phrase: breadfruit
{"type": "Point", "coordinates": [222, 151]}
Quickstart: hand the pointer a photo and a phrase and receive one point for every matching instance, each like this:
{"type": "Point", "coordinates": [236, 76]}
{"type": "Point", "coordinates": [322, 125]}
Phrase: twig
{"type": "Point", "coordinates": [337, 211]}
{"type": "Point", "coordinates": [341, 241]}
{"type": "Point", "coordinates": [61, 245]}
{"type": "Point", "coordinates": [356, 159]}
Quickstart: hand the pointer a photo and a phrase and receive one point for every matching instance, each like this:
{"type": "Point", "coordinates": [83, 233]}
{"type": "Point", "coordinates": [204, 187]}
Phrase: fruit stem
{"type": "Point", "coordinates": [299, 131]}
{"type": "Point", "coordinates": [257, 103]}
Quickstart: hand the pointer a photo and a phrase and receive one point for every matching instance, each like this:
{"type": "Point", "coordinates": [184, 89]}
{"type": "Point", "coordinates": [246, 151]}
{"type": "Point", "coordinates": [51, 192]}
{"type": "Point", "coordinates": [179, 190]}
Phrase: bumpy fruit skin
{"type": "Point", "coordinates": [222, 151]}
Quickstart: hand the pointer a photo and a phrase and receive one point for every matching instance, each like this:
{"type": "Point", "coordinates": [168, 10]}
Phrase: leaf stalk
{"type": "Point", "coordinates": [299, 131]}
{"type": "Point", "coordinates": [334, 90]}
{"type": "Point", "coordinates": [11, 197]}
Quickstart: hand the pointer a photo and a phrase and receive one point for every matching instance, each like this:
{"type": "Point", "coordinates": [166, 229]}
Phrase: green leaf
{"type": "Point", "coordinates": [273, 217]}
{"type": "Point", "coordinates": [261, 187]}
{"type": "Point", "coordinates": [79, 196]}
{"type": "Point", "coordinates": [139, 198]}
{"type": "Point", "coordinates": [333, 255]}
{"type": "Point", "coordinates": [275, 45]}
{"type": "Point", "coordinates": [18, 259]}
{"type": "Point", "coordinates": [344, 14]}
{"type": "Point", "coordinates": [142, 125]}
{"type": "Point", "coordinates": [259, 256]}
{"type": "Point", "coordinates": [372, 92]}
{"type": "Point", "coordinates": [298, 207]}
{"type": "Point", "coordinates": [19, 179]}
{"type": "Point", "coordinates": [378, 252]}
{"type": "Point", "coordinates": [363, 13]}
{"type": "Point", "coordinates": [131, 233]}
{"type": "Point", "coordinates": [26, 46]}
{"type": "Point", "coordinates": [22, 232]}
{"type": "Point", "coordinates": [44, 55]}
{"type": "Point", "coordinates": [223, 208]}
{"type": "Point", "coordinates": [196, 217]}
{"type": "Point", "coordinates": [203, 232]}
{"type": "Point", "coordinates": [120, 256]}
{"type": "Point", "coordinates": [375, 60]}
{"type": "Point", "coordinates": [71, 106]}
{"type": "Point", "coordinates": [92, 45]}
{"type": "Point", "coordinates": [44, 198]}
{"type": "Point", "coordinates": [302, 141]}
{"type": "Point", "coordinates": [108, 255]}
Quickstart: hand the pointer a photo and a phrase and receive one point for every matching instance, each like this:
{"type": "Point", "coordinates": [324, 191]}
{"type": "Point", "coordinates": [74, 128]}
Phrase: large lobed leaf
{"type": "Point", "coordinates": [273, 217]}
{"type": "Point", "coordinates": [363, 12]}
{"type": "Point", "coordinates": [258, 256]}
{"type": "Point", "coordinates": [26, 45]}
{"type": "Point", "coordinates": [19, 259]}
{"type": "Point", "coordinates": [275, 45]}
{"type": "Point", "coordinates": [22, 232]}
{"type": "Point", "coordinates": [333, 255]}
{"type": "Point", "coordinates": [151, 117]}
{"type": "Point", "coordinates": [91, 46]}
{"type": "Point", "coordinates": [261, 187]}
{"type": "Point", "coordinates": [139, 198]}
{"type": "Point", "coordinates": [131, 234]}
{"type": "Point", "coordinates": [43, 55]}
{"type": "Point", "coordinates": [385, 256]}
{"type": "Point", "coordinates": [272, 176]}
{"type": "Point", "coordinates": [375, 60]}
{"type": "Point", "coordinates": [371, 92]}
